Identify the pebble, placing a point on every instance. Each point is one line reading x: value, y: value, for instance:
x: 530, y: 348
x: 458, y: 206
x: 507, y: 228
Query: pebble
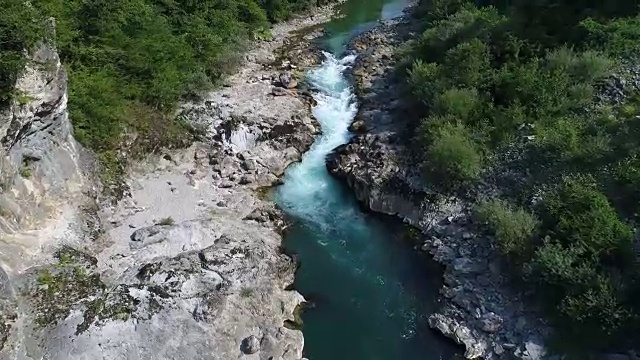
x: 225, y: 185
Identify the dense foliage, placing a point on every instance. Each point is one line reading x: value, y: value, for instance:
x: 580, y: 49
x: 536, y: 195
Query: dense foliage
x: 130, y: 61
x: 511, y: 94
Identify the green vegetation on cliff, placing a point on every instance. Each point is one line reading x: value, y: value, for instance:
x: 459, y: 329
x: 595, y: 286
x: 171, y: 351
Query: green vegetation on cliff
x: 130, y: 61
x: 518, y: 95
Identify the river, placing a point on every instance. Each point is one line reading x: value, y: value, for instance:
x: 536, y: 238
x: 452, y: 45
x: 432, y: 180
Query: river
x: 372, y: 292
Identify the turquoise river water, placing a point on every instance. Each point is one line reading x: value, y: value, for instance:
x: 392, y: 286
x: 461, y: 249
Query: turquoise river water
x: 371, y: 291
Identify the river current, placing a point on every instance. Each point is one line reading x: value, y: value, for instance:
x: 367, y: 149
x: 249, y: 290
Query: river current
x: 371, y: 291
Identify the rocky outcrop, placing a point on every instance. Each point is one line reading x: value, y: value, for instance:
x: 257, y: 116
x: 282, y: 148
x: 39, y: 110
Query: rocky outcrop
x: 479, y: 310
x: 39, y: 159
x: 42, y: 182
x: 188, y: 265
x: 193, y: 290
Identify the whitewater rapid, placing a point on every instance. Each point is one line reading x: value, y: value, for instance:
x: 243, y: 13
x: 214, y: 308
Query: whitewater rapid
x: 306, y: 182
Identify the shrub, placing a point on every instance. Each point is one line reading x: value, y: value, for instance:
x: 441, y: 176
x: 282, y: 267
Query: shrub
x: 561, y: 137
x: 467, y: 64
x: 618, y: 37
x: 597, y: 311
x: 459, y: 103
x: 579, y: 295
x: 246, y: 292
x: 625, y: 187
x: 452, y: 155
x: 166, y: 221
x: 423, y: 80
x: 580, y: 95
x: 590, y: 66
x: 578, y: 215
x: 462, y: 26
x: 513, y: 228
x: 560, y: 59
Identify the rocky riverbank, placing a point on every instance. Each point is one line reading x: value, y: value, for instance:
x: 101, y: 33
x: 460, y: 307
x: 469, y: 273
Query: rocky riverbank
x: 479, y: 310
x: 189, y: 265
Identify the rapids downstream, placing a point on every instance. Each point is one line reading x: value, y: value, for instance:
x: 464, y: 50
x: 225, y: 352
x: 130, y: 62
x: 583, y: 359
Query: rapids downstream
x: 372, y: 292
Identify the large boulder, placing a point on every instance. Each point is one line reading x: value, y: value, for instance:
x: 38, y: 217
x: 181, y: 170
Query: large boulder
x: 287, y: 80
x: 475, y: 347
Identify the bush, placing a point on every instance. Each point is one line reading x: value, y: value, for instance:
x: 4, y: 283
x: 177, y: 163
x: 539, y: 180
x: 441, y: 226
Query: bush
x: 590, y: 66
x: 460, y: 103
x: 513, y: 228
x: 452, y: 155
x: 578, y: 215
x: 579, y: 295
x: 562, y: 138
x: 625, y: 184
x: 463, y: 26
x: 467, y: 65
x: 560, y: 60
x: 618, y: 37
x: 168, y: 221
x: 423, y: 79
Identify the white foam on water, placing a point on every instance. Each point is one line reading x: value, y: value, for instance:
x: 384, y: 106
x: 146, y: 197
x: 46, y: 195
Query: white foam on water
x: 305, y: 182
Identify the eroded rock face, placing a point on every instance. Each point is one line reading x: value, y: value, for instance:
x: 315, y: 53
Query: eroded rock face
x: 479, y: 310
x: 40, y: 162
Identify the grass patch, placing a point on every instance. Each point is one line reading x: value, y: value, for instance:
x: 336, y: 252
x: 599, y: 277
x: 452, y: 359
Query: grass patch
x: 26, y: 172
x: 166, y: 221
x: 246, y: 292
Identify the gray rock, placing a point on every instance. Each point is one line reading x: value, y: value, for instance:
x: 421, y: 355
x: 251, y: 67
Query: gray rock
x: 250, y: 345
x: 491, y: 322
x: 278, y: 91
x: 40, y: 162
x: 147, y: 232
x: 249, y: 164
x: 358, y: 127
x: 226, y: 184
x: 287, y: 80
x: 246, y: 179
x: 461, y: 334
x: 533, y: 350
x: 465, y: 265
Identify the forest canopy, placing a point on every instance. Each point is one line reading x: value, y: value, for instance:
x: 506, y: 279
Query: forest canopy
x: 517, y: 94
